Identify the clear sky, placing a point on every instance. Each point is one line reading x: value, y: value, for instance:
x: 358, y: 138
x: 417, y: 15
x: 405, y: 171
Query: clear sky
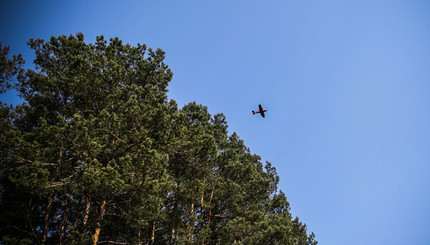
x: 346, y: 85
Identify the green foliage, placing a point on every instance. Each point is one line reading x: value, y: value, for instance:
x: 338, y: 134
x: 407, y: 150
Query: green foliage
x: 9, y: 68
x: 98, y: 154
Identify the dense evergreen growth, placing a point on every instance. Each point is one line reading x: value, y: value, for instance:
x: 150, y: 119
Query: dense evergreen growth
x: 99, y: 155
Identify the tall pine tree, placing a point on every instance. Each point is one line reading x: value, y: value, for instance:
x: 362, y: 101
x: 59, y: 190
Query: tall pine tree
x: 97, y: 154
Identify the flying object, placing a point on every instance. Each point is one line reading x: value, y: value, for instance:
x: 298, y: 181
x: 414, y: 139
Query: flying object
x: 260, y: 110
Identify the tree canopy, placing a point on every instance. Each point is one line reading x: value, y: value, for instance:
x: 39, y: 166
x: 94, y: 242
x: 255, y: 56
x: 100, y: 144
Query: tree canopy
x: 98, y: 154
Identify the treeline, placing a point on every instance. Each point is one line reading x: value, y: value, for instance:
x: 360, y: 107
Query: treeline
x: 97, y: 154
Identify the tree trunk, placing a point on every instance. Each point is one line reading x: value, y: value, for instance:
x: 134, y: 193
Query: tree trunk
x: 175, y: 208
x: 87, y: 211
x: 63, y: 224
x: 153, y: 232
x: 172, y: 237
x: 96, y: 234
x: 202, y: 198
x: 210, y: 210
x: 46, y: 218
x: 139, y: 242
x: 202, y: 208
x: 190, y: 229
x: 28, y: 216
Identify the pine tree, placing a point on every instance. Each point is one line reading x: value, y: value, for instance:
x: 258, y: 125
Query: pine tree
x: 97, y: 154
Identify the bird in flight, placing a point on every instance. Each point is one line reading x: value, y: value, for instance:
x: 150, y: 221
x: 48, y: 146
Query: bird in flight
x: 260, y: 110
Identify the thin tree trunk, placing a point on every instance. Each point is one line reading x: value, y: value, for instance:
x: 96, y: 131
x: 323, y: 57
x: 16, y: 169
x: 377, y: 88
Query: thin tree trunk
x: 96, y: 234
x: 46, y: 218
x: 28, y: 222
x: 175, y: 209
x: 139, y: 242
x: 202, y: 208
x: 76, y: 222
x: 63, y: 224
x: 87, y: 211
x: 153, y: 232
x: 172, y: 237
x: 191, y: 225
x: 210, y: 210
x: 202, y: 198
x: 190, y: 229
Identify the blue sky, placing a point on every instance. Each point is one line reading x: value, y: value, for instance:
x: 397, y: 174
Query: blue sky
x: 346, y: 83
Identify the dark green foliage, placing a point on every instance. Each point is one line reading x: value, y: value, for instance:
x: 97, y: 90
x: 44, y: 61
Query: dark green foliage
x: 9, y: 68
x: 98, y: 154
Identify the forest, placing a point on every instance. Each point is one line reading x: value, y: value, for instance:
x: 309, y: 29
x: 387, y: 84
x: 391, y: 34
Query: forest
x: 98, y: 154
